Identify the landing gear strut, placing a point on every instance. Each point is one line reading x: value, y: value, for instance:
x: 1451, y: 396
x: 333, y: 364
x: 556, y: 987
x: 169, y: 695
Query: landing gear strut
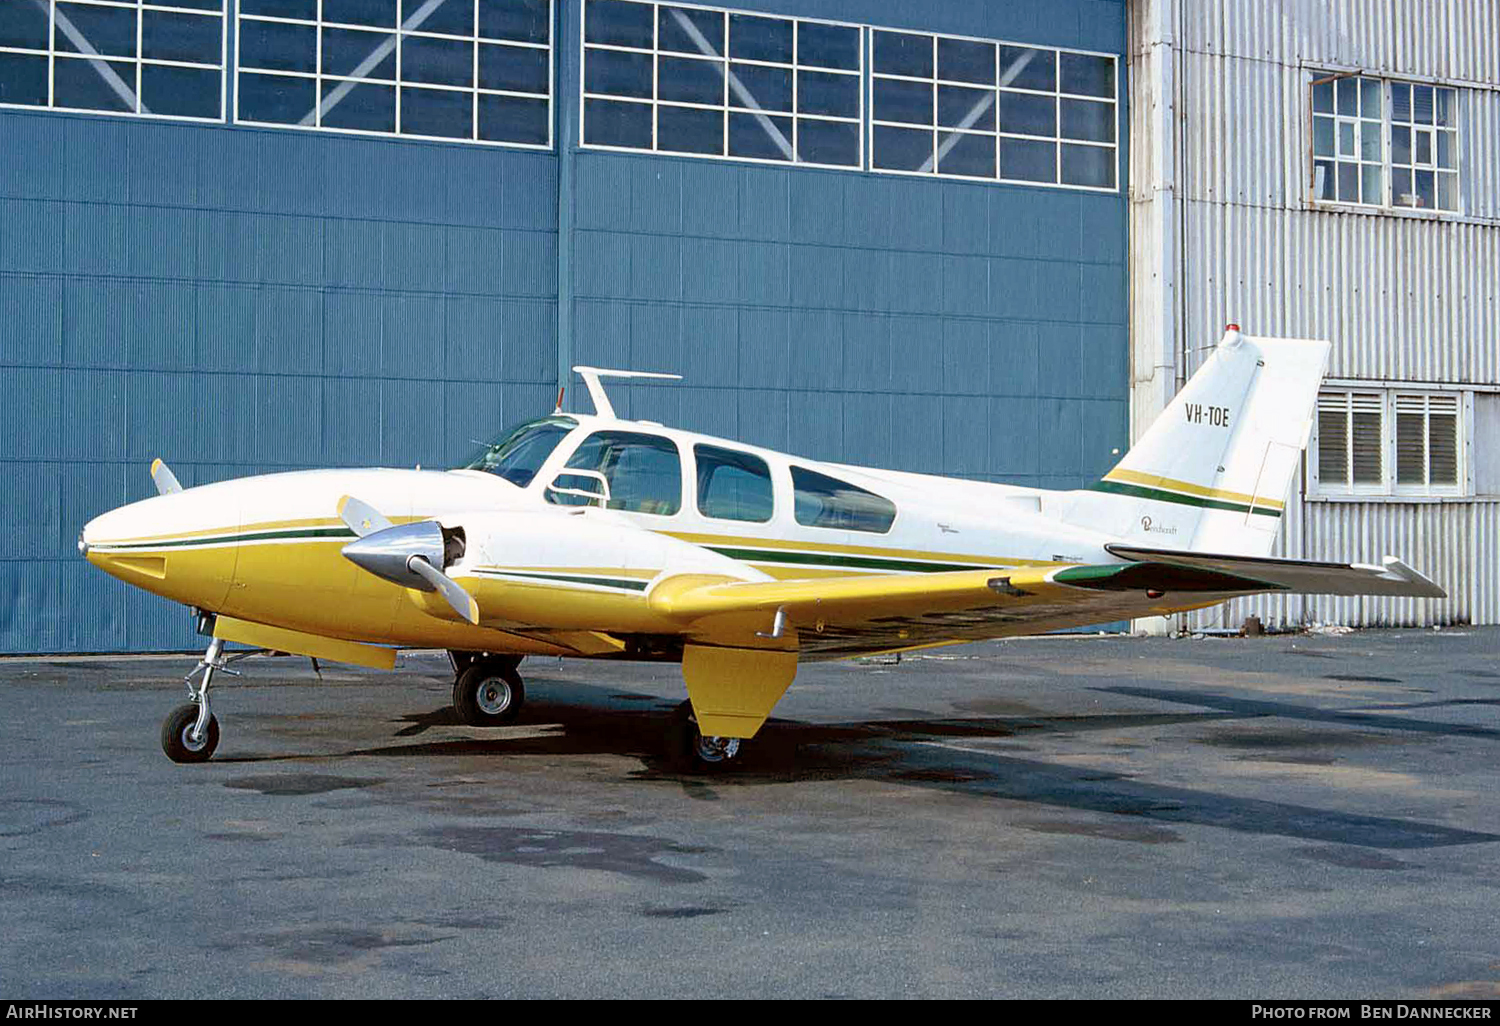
x: 488, y: 691
x: 688, y: 749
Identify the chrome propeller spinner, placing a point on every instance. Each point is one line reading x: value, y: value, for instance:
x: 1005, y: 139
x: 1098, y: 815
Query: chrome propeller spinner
x: 411, y: 555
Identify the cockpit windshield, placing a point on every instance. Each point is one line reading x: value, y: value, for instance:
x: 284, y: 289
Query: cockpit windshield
x: 518, y: 456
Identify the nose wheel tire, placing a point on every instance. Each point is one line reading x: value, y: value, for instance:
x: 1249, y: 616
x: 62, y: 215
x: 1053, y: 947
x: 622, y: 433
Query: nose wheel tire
x: 177, y: 736
x: 488, y: 694
x: 689, y: 750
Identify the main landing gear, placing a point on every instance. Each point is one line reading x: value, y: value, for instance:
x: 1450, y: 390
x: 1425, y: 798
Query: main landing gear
x: 487, y: 690
x: 689, y: 750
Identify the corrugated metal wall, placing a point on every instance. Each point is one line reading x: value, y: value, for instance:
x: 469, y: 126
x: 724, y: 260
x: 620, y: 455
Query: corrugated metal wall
x: 1402, y: 298
x: 239, y: 300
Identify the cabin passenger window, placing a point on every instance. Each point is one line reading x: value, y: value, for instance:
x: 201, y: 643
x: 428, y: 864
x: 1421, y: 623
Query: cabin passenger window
x: 644, y: 471
x: 733, y: 485
x: 823, y: 501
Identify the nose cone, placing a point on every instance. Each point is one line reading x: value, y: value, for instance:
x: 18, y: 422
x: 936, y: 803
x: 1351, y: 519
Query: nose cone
x: 178, y: 546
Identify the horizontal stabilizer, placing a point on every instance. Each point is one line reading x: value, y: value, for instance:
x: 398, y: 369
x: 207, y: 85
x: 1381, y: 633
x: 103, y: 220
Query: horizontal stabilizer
x: 1394, y: 578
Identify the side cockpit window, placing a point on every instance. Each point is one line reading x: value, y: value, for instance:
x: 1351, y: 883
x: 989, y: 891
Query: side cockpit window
x: 733, y: 485
x: 644, y: 472
x: 823, y: 501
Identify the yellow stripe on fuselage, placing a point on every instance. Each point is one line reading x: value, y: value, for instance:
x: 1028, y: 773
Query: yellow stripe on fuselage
x: 1188, y: 488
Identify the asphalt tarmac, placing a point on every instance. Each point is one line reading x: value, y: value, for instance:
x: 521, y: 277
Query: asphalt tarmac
x: 1288, y: 816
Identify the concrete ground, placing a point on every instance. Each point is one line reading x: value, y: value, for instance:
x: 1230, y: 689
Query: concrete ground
x: 1288, y: 816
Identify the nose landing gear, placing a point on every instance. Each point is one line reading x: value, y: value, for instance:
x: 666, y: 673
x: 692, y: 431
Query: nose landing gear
x: 190, y: 733
x: 487, y: 691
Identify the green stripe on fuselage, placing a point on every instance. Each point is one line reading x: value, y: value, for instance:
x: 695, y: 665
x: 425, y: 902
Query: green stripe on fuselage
x: 854, y: 562
x: 295, y: 534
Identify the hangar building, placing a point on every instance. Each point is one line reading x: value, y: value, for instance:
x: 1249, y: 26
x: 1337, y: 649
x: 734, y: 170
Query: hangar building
x: 976, y: 237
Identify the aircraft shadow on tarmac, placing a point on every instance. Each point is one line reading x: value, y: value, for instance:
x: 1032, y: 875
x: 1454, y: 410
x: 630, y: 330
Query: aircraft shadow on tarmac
x: 930, y: 753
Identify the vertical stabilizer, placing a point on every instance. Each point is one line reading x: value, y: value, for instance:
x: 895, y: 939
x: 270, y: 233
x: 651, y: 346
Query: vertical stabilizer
x: 1215, y: 470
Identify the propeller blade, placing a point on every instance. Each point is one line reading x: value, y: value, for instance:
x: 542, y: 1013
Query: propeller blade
x: 462, y: 602
x: 166, y: 481
x: 361, y: 517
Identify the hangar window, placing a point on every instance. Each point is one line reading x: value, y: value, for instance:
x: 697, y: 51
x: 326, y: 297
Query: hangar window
x: 823, y: 501
x: 1382, y: 143
x: 733, y: 485
x: 720, y: 83
x: 974, y: 108
x: 119, y: 57
x: 469, y: 70
x: 1387, y: 443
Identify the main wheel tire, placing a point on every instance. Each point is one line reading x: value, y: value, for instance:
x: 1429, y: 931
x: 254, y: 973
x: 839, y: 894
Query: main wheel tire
x: 690, y: 752
x: 177, y: 740
x: 489, y: 694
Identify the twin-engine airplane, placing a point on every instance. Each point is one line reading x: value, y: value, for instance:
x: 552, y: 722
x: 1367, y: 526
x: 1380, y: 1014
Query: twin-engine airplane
x: 596, y: 537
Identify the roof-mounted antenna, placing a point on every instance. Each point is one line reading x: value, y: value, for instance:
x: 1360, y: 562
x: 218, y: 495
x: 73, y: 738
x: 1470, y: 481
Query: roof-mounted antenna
x: 591, y: 376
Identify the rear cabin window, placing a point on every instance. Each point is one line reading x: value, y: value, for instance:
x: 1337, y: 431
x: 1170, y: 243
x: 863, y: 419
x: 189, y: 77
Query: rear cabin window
x: 733, y: 485
x: 644, y: 471
x: 823, y: 501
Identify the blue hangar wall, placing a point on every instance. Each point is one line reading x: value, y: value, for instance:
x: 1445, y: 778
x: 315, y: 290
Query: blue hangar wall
x: 241, y: 300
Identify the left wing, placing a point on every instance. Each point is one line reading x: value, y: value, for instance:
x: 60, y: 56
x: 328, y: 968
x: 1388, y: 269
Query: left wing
x: 840, y: 617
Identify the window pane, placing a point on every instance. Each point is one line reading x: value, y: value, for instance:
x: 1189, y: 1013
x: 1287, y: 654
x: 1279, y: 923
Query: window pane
x: 181, y: 92
x: 828, y: 142
x: 346, y: 51
x: 749, y: 136
x: 278, y: 99
x: 689, y: 81
x: 900, y: 53
x: 1400, y: 102
x: 437, y: 61
x: 525, y: 21
x: 902, y: 149
x: 24, y: 24
x: 960, y: 107
x: 1370, y: 187
x: 278, y: 47
x: 93, y: 84
x: 609, y: 123
x: 819, y: 92
x: 907, y: 102
x: 1085, y: 119
x: 1369, y: 140
x: 1086, y: 75
x: 1400, y: 145
x: 304, y: 9
x: 451, y: 17
x: 1422, y: 150
x: 1401, y: 192
x: 1346, y: 139
x: 110, y: 30
x: 517, y: 69
x: 1447, y: 191
x: 1025, y: 114
x: 1324, y: 130
x: 445, y: 113
x: 770, y: 88
x: 1348, y: 94
x: 1369, y: 98
x: 964, y: 60
x: 1025, y: 68
x: 514, y: 119
x: 1092, y: 166
x: 733, y: 485
x: 644, y: 471
x: 363, y: 108
x: 376, y: 13
x: 1324, y: 179
x: 618, y: 74
x: 180, y: 37
x: 1028, y: 161
x: 617, y: 23
x: 1445, y: 155
x: 972, y: 156
x: 23, y: 79
x: 1348, y: 183
x: 1322, y: 93
x: 753, y: 38
x: 1421, y: 105
x: 689, y: 130
x: 1426, y: 190
x: 1446, y: 104
x: 828, y: 46
x: 688, y: 30
x: 822, y: 501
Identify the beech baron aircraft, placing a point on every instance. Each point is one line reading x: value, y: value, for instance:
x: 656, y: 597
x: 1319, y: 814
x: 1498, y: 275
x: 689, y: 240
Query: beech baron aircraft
x: 597, y: 537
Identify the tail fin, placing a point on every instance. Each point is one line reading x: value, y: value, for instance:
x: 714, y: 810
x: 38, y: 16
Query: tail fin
x: 1214, y: 472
